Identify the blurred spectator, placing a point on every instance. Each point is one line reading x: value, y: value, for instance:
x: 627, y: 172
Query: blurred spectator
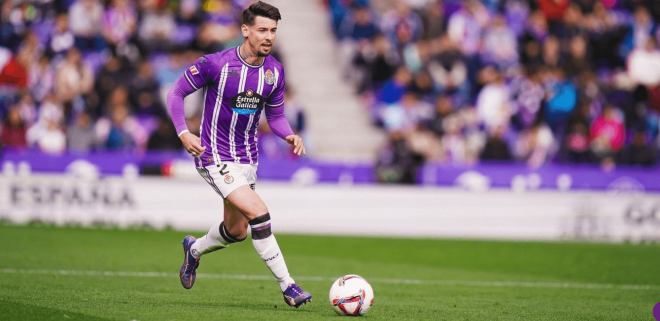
x: 144, y: 92
x: 120, y: 22
x: 435, y: 23
x: 164, y: 137
x: 157, y: 28
x: 607, y: 133
x: 12, y: 72
x: 27, y: 109
x: 494, y: 101
x: 561, y: 98
x: 577, y: 60
x: 81, y: 136
x: 394, y: 89
x: 377, y: 63
x: 355, y: 31
x: 496, y: 148
x: 644, y: 64
x: 41, y: 79
x: 535, y: 145
x: 639, y: 152
x: 62, y: 39
x: 577, y: 145
x: 12, y: 25
x: 443, y: 108
x: 73, y: 77
x: 402, y: 25
x: 447, y: 67
x: 359, y: 24
x: 528, y: 95
x: 113, y: 73
x: 500, y: 45
x: 553, y: 10
x: 86, y: 23
x: 120, y: 131
x: 397, y: 163
x: 551, y: 55
x: 46, y: 134
x: 641, y: 30
x: 13, y: 130
x: 465, y: 26
x: 220, y: 27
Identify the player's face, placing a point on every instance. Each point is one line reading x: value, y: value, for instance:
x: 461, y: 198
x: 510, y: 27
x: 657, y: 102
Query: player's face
x: 261, y: 35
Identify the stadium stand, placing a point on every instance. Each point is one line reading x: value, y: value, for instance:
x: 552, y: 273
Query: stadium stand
x: 459, y: 82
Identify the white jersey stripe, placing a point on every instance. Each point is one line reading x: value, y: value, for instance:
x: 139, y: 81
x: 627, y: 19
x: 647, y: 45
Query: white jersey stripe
x: 260, y: 88
x: 190, y: 81
x: 234, y: 117
x: 216, y: 113
x: 201, y: 124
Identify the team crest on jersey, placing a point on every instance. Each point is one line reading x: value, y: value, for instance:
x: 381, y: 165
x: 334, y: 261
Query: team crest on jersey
x: 229, y: 179
x: 247, y: 102
x: 270, y: 78
x: 193, y: 70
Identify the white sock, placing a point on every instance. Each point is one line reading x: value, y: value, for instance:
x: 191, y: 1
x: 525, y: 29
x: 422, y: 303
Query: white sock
x: 269, y: 251
x: 217, y: 238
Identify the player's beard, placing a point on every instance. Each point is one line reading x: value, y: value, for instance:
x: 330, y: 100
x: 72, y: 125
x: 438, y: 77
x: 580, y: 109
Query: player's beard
x: 263, y: 54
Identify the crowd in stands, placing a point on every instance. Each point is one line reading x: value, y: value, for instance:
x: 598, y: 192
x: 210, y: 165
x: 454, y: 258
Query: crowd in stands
x: 90, y: 75
x: 535, y: 81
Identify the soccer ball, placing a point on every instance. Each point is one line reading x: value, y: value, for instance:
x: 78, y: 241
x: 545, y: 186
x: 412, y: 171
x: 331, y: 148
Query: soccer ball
x: 351, y: 295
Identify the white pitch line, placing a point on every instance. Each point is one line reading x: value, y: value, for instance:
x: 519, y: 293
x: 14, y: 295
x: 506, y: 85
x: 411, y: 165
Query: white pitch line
x: 567, y: 285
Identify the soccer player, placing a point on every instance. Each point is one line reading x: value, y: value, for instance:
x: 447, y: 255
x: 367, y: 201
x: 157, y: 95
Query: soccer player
x: 237, y: 83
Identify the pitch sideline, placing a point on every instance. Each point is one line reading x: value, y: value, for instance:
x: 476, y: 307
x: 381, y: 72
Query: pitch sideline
x: 330, y: 279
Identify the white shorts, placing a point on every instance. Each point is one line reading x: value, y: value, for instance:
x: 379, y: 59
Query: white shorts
x: 226, y: 177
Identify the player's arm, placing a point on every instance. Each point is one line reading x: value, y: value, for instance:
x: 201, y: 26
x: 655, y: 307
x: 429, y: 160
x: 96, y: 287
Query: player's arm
x: 275, y: 116
x: 191, y: 80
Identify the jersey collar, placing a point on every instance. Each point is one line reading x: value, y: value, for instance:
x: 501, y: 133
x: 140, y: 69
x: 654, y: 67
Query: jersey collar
x: 238, y: 53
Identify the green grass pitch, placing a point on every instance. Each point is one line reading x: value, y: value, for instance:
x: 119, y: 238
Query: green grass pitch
x: 49, y: 273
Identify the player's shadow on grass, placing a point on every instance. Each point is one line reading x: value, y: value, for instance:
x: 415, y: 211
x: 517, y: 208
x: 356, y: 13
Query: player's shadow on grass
x: 261, y: 307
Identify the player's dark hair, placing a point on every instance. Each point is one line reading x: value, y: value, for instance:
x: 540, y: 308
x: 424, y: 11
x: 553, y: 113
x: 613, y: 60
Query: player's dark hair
x: 260, y: 9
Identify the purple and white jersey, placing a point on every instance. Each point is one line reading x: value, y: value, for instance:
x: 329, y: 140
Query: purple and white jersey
x: 235, y: 92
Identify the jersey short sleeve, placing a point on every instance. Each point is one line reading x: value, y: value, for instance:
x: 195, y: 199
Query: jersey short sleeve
x: 276, y: 98
x: 199, y: 73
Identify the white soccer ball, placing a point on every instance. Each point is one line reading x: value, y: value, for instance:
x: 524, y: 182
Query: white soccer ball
x: 351, y: 295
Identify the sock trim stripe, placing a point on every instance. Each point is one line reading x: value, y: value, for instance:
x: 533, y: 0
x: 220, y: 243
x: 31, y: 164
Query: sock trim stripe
x: 260, y: 224
x: 261, y: 219
x: 226, y: 235
x: 262, y: 227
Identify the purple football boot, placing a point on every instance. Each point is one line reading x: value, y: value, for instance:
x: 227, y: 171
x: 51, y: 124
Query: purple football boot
x: 188, y: 270
x: 295, y: 296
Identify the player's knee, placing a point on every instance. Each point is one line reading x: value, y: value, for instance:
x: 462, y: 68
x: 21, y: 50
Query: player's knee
x: 257, y: 210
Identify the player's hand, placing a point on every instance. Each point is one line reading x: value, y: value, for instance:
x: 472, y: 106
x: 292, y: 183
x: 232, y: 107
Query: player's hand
x: 192, y: 144
x: 298, y: 145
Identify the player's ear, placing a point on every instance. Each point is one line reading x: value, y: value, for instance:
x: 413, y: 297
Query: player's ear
x: 244, y: 30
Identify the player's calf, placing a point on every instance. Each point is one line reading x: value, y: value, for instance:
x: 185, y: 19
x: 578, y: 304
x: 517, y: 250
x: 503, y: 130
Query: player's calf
x: 217, y: 238
x: 266, y: 245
